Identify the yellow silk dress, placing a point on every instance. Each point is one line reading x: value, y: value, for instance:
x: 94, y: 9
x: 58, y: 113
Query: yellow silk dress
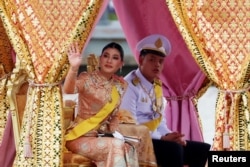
x: 94, y: 92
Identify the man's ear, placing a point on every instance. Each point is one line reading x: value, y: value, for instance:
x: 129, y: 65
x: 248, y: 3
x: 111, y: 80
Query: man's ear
x: 141, y: 59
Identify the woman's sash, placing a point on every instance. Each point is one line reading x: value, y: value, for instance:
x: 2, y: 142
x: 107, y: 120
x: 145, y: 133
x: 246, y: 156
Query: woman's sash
x: 94, y: 121
x: 153, y: 124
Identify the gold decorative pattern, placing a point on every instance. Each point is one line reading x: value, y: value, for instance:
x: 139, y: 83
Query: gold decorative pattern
x: 40, y: 32
x: 92, y: 63
x: 3, y: 102
x: 6, y: 66
x: 217, y: 34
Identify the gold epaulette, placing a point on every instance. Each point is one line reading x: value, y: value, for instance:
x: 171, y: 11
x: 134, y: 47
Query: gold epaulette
x: 136, y: 81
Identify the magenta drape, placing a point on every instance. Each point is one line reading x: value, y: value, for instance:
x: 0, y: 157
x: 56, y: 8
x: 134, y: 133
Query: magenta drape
x: 181, y: 75
x: 7, y: 148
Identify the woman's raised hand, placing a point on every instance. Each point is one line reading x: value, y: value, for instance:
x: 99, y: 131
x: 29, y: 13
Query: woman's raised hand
x: 74, y: 56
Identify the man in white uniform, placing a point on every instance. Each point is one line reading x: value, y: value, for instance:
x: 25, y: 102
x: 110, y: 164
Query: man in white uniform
x: 144, y: 100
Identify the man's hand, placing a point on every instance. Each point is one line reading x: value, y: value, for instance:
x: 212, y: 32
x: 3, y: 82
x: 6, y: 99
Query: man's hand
x: 174, y: 137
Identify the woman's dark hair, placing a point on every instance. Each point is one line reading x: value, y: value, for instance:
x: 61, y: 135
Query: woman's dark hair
x: 115, y: 46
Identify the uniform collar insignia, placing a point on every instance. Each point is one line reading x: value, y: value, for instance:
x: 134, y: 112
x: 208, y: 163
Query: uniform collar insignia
x: 136, y: 81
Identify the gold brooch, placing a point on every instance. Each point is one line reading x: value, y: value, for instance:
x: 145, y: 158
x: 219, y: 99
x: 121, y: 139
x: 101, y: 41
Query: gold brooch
x: 136, y: 81
x: 158, y: 82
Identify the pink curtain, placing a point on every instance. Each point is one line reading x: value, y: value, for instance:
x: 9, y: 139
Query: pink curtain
x: 7, y: 145
x: 181, y: 77
x: 7, y: 148
x: 217, y: 34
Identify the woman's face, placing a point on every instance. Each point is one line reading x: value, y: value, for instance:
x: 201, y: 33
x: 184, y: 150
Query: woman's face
x: 110, y: 61
x: 151, y: 66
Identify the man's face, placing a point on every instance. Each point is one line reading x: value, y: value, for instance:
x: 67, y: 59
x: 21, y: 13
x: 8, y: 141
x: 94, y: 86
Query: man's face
x: 151, y: 66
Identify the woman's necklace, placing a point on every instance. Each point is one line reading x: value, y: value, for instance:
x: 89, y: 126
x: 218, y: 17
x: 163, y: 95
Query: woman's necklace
x: 101, y: 82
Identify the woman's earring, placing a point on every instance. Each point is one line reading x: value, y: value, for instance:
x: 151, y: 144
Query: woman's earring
x: 120, y: 70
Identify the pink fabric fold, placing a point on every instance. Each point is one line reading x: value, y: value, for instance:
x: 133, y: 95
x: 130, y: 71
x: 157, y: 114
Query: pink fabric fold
x: 7, y: 147
x: 101, y: 11
x: 181, y: 74
x: 182, y: 114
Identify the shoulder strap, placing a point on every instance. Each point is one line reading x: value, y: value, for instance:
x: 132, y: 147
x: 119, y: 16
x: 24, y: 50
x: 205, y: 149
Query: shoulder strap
x: 93, y: 122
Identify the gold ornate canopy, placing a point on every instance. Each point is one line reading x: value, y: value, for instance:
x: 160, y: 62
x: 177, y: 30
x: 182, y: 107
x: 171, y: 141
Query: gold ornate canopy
x: 218, y: 35
x: 40, y: 32
x: 6, y: 66
x: 216, y: 32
